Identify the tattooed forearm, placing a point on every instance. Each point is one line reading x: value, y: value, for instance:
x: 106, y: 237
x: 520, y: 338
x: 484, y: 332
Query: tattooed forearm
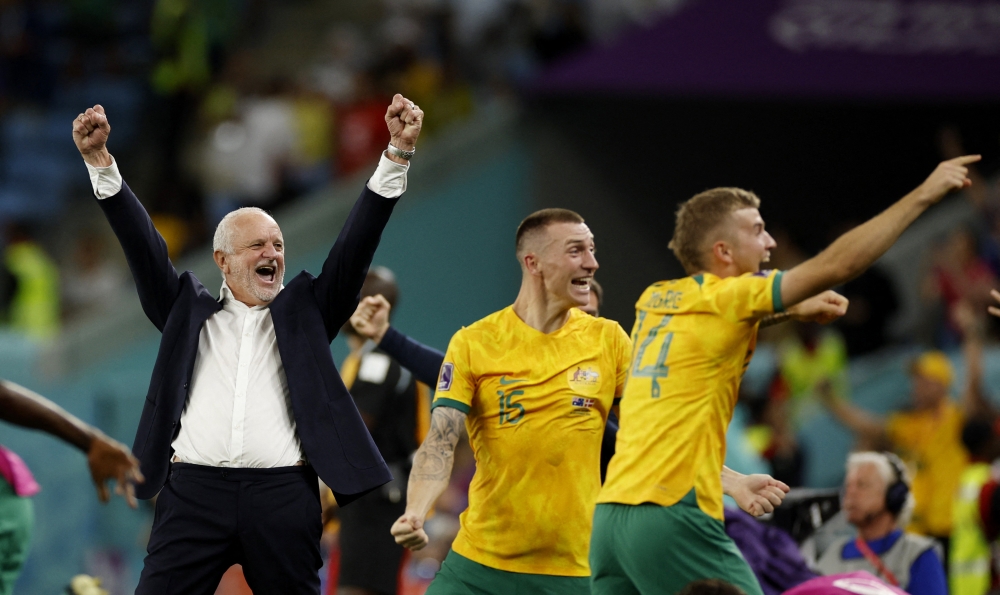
x: 434, y: 459
x: 774, y: 319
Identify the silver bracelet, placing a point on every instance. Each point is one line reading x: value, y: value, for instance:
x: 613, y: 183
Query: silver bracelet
x: 400, y: 152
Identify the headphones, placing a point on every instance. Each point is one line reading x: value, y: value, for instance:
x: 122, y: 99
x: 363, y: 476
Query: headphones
x: 898, y: 492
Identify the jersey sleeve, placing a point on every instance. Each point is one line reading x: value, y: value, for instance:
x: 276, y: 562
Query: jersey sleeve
x: 748, y: 297
x: 623, y: 359
x: 456, y: 384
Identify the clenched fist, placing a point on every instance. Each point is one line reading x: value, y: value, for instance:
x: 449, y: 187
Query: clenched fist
x: 404, y: 120
x: 823, y: 308
x: 371, y: 319
x: 90, y: 133
x: 408, y: 531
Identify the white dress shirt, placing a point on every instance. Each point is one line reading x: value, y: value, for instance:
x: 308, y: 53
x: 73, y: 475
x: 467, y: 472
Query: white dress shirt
x: 238, y: 412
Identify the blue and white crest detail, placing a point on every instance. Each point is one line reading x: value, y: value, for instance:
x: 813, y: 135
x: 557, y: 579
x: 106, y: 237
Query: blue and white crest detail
x: 447, y: 373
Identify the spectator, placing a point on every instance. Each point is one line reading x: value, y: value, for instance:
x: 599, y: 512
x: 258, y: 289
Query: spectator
x: 877, y: 501
x: 32, y: 286
x: 810, y: 357
x: 959, y: 275
x: 928, y: 437
x: 92, y: 282
x: 976, y: 510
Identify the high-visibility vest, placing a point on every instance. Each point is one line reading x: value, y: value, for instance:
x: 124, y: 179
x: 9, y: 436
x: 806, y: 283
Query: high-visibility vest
x: 969, y: 558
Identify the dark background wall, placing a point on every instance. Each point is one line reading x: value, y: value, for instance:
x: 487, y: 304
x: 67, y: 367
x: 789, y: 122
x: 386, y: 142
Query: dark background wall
x: 625, y: 163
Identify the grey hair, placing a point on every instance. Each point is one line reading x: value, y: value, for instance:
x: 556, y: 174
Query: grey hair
x: 886, y: 471
x: 225, y: 231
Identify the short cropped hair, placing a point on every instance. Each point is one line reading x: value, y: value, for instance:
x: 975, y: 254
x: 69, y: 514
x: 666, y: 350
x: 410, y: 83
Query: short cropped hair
x: 888, y: 473
x: 225, y: 231
x: 699, y: 216
x: 598, y: 291
x: 381, y: 280
x: 538, y: 221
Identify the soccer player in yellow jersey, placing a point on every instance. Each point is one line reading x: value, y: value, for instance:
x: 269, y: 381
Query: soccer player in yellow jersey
x: 533, y: 384
x: 658, y: 522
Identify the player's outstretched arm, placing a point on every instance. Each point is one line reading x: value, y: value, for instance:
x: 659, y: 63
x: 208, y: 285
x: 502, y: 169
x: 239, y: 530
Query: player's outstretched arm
x: 757, y: 494
x: 108, y: 459
x: 857, y: 249
x: 429, y: 476
x: 823, y: 308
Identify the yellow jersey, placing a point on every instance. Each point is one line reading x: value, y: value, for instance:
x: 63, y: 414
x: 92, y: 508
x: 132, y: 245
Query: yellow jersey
x: 693, y: 339
x: 536, y: 406
x: 931, y: 444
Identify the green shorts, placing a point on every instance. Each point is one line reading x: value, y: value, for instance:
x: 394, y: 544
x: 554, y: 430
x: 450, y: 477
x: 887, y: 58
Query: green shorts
x: 636, y: 550
x: 17, y: 517
x: 461, y: 576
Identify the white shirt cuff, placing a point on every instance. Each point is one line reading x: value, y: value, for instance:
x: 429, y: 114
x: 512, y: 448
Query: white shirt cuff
x: 389, y: 179
x: 107, y: 181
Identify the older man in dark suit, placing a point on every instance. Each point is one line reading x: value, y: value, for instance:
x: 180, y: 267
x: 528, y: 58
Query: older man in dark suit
x: 245, y: 406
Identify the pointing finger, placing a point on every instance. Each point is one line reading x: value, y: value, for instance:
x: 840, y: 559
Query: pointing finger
x: 966, y: 159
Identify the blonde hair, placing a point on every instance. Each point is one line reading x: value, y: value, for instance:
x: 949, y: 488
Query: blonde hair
x: 702, y: 215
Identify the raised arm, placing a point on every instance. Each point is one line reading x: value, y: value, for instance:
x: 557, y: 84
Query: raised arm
x: 429, y: 477
x: 974, y: 401
x: 338, y: 287
x: 156, y: 279
x: 371, y: 320
x: 865, y: 424
x: 859, y: 248
x: 107, y: 458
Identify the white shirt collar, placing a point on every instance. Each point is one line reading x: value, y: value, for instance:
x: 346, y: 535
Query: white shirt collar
x: 230, y: 303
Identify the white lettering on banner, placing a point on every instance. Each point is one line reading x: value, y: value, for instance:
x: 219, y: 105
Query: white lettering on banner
x: 888, y: 26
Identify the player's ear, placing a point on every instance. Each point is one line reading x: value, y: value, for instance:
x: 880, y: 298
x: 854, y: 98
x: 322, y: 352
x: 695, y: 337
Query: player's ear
x: 530, y: 262
x: 722, y: 252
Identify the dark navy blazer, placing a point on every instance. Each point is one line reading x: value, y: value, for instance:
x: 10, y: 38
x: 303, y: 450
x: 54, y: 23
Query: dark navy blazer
x: 307, y: 315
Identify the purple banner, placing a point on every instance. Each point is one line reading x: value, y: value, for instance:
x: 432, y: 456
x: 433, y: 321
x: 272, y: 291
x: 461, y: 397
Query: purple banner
x: 877, y: 49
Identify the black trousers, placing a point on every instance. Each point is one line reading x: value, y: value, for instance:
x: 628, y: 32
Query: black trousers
x: 209, y: 518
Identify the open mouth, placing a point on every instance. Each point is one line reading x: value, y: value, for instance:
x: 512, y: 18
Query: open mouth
x: 266, y: 273
x: 582, y: 283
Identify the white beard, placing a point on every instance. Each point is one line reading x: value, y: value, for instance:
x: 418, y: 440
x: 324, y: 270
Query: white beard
x: 246, y: 279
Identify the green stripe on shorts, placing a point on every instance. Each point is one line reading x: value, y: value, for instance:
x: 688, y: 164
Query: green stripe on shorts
x: 461, y: 576
x: 650, y: 548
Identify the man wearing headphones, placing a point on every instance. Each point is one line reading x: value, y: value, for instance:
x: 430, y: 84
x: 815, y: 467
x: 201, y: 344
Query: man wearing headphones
x: 878, y: 502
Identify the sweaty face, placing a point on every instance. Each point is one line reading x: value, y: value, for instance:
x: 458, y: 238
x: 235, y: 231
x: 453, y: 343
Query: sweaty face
x: 256, y: 268
x: 751, y: 245
x: 864, y: 494
x: 567, y: 263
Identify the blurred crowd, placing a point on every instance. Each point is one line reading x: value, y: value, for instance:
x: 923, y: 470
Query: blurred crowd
x: 220, y: 103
